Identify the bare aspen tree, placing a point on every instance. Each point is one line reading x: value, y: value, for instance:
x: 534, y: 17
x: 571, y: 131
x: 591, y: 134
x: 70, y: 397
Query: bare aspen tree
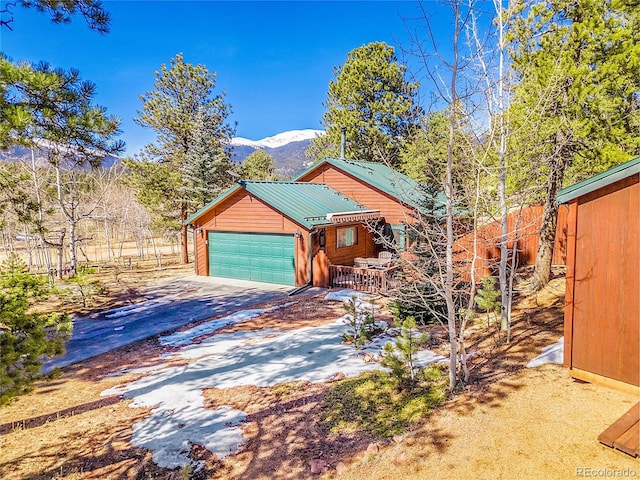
x: 495, y: 79
x: 435, y: 278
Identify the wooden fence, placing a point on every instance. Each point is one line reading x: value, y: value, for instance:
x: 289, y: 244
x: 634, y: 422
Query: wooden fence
x: 523, y: 226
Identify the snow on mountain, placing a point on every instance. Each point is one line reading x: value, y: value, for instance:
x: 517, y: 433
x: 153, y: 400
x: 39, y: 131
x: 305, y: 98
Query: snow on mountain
x: 278, y: 140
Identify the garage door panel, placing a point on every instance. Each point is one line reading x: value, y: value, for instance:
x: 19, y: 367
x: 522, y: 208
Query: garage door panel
x: 252, y: 256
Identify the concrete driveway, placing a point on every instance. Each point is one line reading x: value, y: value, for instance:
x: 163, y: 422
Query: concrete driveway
x: 169, y: 306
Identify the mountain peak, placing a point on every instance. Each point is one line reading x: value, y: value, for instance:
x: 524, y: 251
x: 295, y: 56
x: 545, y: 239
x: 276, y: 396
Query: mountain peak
x: 280, y: 139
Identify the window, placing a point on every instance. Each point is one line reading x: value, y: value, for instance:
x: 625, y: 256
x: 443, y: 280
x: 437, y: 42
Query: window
x: 399, y: 237
x: 347, y: 237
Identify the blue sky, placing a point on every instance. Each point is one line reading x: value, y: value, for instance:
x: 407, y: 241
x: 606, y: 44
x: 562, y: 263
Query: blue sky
x: 274, y: 60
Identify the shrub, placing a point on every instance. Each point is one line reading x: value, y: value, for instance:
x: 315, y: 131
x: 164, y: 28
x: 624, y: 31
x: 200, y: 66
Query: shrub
x: 400, y: 357
x: 25, y: 336
x: 361, y: 322
x: 409, y: 302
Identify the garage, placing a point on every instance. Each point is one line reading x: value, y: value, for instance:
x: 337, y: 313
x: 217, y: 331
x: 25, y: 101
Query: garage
x: 260, y: 257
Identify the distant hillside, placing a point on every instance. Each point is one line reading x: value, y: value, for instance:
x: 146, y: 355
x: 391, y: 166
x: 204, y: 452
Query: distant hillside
x: 287, y: 150
x: 17, y: 153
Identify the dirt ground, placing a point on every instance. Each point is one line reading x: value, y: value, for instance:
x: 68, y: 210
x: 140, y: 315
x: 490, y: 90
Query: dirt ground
x: 510, y: 422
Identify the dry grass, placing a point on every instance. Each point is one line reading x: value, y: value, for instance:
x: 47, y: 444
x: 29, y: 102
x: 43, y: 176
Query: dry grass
x: 511, y: 422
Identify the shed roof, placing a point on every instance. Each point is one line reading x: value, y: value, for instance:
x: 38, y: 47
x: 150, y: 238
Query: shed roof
x: 596, y: 182
x: 380, y: 176
x: 307, y: 204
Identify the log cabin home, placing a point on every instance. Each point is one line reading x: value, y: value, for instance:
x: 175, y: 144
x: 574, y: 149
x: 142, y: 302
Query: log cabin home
x: 314, y: 230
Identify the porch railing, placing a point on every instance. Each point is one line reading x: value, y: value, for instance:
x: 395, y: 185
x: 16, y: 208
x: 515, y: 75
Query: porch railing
x: 373, y: 280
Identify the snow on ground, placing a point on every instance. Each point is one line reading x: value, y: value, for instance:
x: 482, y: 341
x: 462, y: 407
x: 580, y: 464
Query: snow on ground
x: 553, y: 353
x: 124, y: 371
x: 345, y: 295
x: 261, y: 357
x: 135, y: 308
x: 169, y: 433
x: 185, y: 337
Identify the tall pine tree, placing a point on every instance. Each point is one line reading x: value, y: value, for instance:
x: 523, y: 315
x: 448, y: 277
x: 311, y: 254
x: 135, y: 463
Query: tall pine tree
x: 183, y: 93
x: 576, y: 105
x: 373, y: 102
x: 205, y: 173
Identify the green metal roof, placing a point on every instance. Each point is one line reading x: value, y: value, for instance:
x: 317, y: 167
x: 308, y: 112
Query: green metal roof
x: 380, y: 176
x: 624, y: 170
x: 307, y: 204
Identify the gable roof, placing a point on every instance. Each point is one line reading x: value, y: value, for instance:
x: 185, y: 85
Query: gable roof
x: 308, y: 204
x: 624, y: 170
x: 378, y: 175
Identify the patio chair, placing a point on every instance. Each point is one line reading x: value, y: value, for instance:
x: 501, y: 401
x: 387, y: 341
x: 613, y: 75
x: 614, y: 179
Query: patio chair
x: 385, y: 258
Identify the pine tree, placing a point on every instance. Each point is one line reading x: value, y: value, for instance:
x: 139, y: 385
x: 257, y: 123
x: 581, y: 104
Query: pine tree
x: 373, y: 102
x: 62, y: 11
x: 205, y: 173
x: 183, y: 93
x: 576, y: 106
x: 25, y: 336
x: 400, y: 357
x: 259, y: 165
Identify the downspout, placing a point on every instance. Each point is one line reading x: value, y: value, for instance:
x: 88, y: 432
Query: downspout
x: 310, y: 267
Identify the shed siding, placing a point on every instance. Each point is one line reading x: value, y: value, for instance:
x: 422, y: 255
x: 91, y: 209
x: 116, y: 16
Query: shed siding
x: 393, y: 211
x: 603, y: 306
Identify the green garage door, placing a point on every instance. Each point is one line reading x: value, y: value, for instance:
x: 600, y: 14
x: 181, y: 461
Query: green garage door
x: 260, y: 257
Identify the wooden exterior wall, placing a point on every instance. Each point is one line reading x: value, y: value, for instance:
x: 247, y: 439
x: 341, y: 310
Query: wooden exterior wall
x: 332, y: 255
x: 602, y: 304
x: 522, y: 225
x: 242, y: 212
x: 391, y: 209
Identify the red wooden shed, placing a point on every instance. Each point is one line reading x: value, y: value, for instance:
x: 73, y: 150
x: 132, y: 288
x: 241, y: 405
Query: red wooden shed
x: 602, y: 305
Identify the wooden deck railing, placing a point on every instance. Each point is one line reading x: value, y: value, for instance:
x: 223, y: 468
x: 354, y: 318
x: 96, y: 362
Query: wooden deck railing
x: 374, y: 280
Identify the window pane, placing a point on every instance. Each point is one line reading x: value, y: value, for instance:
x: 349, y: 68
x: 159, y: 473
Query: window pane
x: 347, y: 236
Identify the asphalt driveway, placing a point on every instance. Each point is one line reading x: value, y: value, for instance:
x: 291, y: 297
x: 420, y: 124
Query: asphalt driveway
x: 169, y: 306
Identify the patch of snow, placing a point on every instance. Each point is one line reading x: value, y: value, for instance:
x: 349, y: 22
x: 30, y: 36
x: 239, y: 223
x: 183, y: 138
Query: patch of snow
x: 223, y: 343
x: 553, y: 353
x: 186, y: 337
x: 258, y: 357
x: 426, y: 357
x: 346, y: 295
x: 170, y: 434
x: 135, y: 308
x: 124, y: 371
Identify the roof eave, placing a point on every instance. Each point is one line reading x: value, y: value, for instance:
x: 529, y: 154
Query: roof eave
x: 608, y: 177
